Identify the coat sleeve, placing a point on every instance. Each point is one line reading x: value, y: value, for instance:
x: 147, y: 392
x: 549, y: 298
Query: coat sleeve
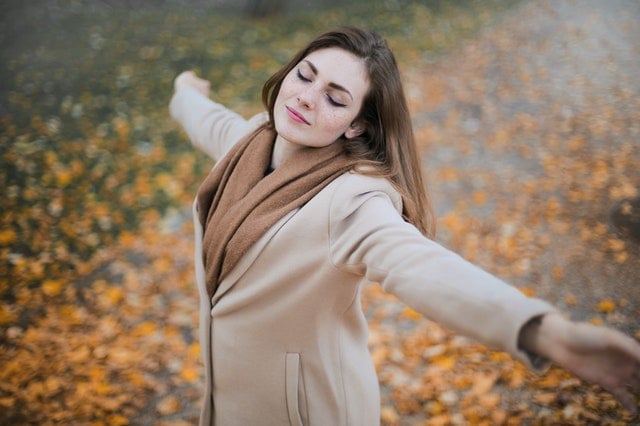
x: 368, y: 237
x: 210, y: 126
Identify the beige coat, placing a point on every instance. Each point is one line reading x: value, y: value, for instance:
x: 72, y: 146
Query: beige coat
x: 284, y: 340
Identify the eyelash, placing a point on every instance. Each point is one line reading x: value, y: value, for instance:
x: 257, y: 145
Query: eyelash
x: 302, y: 77
x: 329, y: 98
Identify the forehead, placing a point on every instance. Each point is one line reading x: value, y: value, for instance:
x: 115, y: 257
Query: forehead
x: 336, y: 65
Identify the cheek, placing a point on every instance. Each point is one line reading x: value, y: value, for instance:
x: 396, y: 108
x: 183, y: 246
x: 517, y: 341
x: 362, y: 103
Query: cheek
x: 337, y: 121
x: 287, y: 88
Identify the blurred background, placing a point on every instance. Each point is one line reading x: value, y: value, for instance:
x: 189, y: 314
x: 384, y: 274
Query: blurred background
x: 528, y: 119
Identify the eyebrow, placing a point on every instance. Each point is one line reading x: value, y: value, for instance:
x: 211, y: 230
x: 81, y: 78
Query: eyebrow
x: 331, y: 84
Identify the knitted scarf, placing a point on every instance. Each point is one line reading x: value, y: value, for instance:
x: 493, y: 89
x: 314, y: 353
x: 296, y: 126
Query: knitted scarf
x: 238, y: 203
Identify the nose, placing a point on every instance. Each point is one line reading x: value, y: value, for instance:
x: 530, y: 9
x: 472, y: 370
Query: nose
x: 307, y: 97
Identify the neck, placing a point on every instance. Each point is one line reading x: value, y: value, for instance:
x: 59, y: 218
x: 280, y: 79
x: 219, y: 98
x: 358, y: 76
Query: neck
x: 282, y: 149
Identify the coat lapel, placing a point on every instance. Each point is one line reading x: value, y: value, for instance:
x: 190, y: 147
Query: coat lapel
x: 248, y: 258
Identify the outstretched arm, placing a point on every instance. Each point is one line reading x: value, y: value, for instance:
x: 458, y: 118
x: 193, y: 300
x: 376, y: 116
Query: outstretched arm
x: 189, y: 79
x: 598, y: 355
x: 210, y: 126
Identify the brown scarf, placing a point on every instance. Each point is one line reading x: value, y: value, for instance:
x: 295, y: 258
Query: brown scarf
x: 237, y: 203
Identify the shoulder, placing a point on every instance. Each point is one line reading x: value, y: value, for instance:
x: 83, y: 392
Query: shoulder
x: 352, y: 190
x: 258, y: 120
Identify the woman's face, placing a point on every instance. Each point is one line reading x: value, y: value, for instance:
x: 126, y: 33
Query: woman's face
x: 320, y: 98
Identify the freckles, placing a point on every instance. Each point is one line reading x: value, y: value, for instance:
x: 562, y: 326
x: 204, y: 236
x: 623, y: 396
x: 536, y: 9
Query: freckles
x: 342, y: 120
x: 335, y: 121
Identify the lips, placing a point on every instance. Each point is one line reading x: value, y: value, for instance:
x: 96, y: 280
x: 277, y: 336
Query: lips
x: 296, y: 116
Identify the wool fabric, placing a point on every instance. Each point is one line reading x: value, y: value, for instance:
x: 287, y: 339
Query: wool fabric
x: 241, y: 198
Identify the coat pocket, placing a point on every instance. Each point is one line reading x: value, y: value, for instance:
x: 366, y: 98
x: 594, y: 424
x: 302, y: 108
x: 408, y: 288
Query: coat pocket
x: 294, y: 388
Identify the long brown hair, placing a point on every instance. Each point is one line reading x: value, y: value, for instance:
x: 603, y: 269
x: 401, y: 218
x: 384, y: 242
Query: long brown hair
x: 388, y: 143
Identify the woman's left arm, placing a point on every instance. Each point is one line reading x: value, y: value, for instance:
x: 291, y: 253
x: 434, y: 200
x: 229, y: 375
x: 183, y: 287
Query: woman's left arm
x: 211, y: 127
x: 370, y: 238
x: 598, y: 355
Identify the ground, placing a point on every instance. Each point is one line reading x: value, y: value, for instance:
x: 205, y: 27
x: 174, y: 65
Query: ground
x: 529, y: 132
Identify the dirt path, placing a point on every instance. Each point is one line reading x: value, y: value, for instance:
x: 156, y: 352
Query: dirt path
x: 531, y: 136
x: 540, y: 114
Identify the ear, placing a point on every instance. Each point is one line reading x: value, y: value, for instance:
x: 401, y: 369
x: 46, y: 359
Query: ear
x: 356, y: 129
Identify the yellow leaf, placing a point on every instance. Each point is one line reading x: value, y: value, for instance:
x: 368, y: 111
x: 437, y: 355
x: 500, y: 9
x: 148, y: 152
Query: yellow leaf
x: 483, y: 383
x: 545, y: 398
x: 135, y: 378
x: 570, y: 299
x: 490, y: 400
x: 127, y: 238
x: 123, y: 356
x: 189, y: 374
x: 557, y: 273
x: 52, y: 287
x: 621, y: 257
x: 389, y: 415
x: 121, y: 127
x: 63, y: 178
x: 479, y: 197
x: 50, y: 158
x: 53, y: 385
x: 97, y: 374
x: 144, y: 329
x: 7, y: 316
x: 435, y: 408
x: 550, y: 380
x: 411, y: 314
x: 168, y: 405
x: 445, y: 362
x: 102, y: 388
x: 576, y: 143
x: 7, y: 402
x: 72, y: 314
x: 117, y: 420
x: 79, y: 355
x: 162, y: 265
x: 528, y: 291
x: 596, y: 321
x: 615, y: 245
x: 114, y: 295
x: 448, y: 174
x: 7, y: 237
x: 194, y: 350
x: 606, y: 306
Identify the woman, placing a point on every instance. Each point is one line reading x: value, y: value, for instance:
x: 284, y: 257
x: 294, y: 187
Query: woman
x: 309, y: 202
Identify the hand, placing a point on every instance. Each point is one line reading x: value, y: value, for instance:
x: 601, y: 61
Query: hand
x: 189, y: 79
x: 599, y: 355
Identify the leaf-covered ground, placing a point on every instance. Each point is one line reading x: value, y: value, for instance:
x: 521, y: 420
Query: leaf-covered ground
x: 528, y: 115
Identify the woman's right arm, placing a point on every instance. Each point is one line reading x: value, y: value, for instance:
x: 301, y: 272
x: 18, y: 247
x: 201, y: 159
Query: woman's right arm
x: 210, y: 126
x: 599, y: 355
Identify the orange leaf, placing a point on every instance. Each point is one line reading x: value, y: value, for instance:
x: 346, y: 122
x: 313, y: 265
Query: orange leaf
x: 546, y: 398
x: 483, y: 383
x: 7, y: 237
x: 168, y: 405
x: 189, y: 374
x: 606, y: 306
x: 52, y: 287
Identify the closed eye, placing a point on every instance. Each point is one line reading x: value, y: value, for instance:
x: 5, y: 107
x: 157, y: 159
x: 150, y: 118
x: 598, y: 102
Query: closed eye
x: 302, y: 77
x: 334, y: 102
x: 329, y: 98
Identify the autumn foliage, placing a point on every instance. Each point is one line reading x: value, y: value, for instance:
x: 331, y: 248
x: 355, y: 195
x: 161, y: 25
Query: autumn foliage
x: 98, y: 310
